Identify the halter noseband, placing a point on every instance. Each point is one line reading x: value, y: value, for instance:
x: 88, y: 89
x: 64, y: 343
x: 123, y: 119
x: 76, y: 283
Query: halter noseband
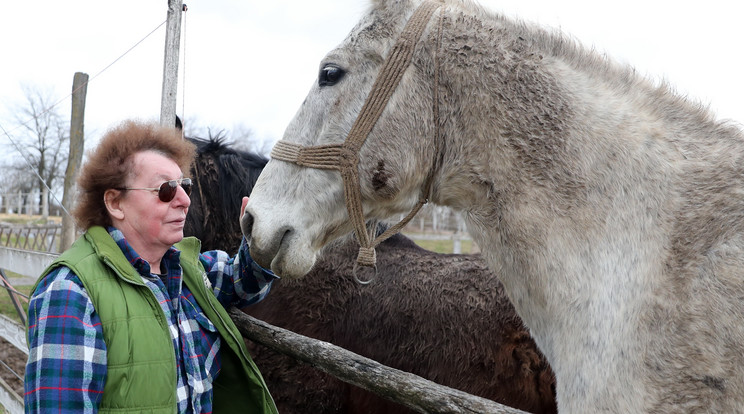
x: 345, y: 157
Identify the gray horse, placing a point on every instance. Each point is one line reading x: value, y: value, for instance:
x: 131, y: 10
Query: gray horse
x: 611, y: 208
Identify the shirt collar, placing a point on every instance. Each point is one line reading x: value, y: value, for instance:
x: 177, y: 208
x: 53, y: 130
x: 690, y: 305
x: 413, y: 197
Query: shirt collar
x: 171, y: 258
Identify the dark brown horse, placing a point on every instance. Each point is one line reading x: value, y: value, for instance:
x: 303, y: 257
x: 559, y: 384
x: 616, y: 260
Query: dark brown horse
x: 444, y: 317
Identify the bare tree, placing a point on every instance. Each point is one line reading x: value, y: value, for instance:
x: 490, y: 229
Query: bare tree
x: 245, y: 139
x: 42, y: 139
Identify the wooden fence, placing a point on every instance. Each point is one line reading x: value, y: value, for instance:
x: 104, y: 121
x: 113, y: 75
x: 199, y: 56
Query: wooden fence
x: 27, y: 263
x: 412, y: 391
x: 44, y: 238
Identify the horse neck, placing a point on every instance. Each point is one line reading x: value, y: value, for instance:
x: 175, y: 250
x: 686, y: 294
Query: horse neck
x: 536, y: 116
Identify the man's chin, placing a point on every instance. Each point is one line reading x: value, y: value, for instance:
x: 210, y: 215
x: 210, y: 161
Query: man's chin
x: 175, y: 237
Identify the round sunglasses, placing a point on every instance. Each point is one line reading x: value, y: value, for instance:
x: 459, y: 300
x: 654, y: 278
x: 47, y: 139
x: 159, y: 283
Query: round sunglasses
x: 167, y: 190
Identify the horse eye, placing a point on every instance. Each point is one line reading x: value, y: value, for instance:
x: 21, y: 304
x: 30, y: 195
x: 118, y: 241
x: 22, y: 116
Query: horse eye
x: 330, y: 75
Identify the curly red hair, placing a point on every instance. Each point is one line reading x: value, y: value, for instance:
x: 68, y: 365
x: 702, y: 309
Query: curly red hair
x: 110, y: 164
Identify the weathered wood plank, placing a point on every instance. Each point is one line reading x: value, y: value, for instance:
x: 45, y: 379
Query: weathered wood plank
x: 25, y: 262
x: 10, y: 401
x: 14, y: 333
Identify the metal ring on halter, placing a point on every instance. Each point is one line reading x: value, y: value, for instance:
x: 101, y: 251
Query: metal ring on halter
x: 363, y: 282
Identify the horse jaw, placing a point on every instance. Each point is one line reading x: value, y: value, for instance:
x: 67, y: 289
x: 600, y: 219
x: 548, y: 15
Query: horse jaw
x: 286, y: 234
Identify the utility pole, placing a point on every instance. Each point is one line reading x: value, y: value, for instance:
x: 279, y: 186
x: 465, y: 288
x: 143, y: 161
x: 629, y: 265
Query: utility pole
x: 77, y: 139
x: 170, y: 66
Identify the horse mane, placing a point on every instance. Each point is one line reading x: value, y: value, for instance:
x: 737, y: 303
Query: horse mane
x: 237, y: 168
x: 624, y: 77
x: 555, y: 43
x: 222, y: 176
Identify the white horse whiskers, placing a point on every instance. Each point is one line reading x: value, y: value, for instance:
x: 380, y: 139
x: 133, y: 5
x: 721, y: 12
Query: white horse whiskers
x: 612, y: 208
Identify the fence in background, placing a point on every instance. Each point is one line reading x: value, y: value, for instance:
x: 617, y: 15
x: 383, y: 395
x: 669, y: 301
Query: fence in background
x: 43, y: 237
x: 23, y: 262
x: 19, y: 203
x: 24, y: 250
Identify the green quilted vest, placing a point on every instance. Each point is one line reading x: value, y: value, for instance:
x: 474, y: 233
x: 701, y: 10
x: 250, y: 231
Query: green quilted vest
x: 141, y: 364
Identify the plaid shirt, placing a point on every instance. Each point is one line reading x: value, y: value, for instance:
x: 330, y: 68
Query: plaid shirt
x: 66, y: 369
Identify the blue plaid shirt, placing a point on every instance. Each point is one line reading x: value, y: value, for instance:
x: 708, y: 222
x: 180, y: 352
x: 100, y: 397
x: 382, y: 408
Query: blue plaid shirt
x: 66, y: 369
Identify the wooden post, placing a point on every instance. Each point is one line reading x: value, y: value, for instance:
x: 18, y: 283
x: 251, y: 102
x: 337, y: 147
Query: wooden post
x: 28, y: 202
x: 77, y: 139
x: 170, y: 65
x: 456, y: 243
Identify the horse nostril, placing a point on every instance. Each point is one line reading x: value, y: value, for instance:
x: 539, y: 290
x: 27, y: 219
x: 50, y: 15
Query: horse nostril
x: 246, y: 225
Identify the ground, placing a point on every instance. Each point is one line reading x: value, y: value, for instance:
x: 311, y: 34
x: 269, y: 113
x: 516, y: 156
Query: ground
x: 13, y: 366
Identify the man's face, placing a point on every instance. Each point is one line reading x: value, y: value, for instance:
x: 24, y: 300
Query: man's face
x: 149, y: 224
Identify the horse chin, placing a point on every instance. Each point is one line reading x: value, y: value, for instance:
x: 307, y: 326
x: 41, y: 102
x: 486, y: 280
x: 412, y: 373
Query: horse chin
x: 284, y: 253
x: 293, y: 262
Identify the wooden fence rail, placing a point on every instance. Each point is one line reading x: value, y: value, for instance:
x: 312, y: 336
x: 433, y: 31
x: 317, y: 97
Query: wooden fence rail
x: 38, y: 238
x: 404, y: 388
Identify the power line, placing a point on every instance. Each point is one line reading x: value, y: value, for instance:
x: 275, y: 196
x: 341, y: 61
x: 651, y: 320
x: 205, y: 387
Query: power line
x: 51, y: 107
x: 89, y: 80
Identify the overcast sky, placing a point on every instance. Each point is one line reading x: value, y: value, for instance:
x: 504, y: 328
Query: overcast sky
x: 251, y: 62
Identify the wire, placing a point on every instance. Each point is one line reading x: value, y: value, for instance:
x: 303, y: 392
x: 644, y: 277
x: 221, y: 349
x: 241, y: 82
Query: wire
x: 183, y: 80
x: 90, y: 79
x: 18, y: 148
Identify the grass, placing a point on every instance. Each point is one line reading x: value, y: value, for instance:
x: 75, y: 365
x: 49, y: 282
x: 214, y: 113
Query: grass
x: 27, y: 219
x: 6, y: 305
x: 444, y: 246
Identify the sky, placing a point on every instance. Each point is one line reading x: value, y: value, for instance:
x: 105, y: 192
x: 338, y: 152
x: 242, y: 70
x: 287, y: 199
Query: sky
x: 250, y: 63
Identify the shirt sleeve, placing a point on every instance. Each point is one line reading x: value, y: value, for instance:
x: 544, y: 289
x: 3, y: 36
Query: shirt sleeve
x: 237, y: 280
x: 66, y: 369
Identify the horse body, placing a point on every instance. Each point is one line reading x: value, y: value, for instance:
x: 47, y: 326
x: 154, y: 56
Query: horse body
x: 610, y: 208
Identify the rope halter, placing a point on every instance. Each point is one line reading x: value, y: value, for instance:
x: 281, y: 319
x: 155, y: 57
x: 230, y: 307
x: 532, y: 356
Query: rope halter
x: 345, y: 156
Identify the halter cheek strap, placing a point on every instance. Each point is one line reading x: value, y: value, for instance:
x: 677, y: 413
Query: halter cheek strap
x: 345, y: 157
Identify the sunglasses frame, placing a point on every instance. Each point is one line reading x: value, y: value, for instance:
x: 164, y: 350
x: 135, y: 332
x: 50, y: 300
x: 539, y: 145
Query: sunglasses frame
x: 168, y: 189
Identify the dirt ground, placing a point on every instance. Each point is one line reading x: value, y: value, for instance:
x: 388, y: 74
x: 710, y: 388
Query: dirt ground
x: 13, y: 366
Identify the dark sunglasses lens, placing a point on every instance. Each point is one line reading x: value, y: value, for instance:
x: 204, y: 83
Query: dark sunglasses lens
x: 168, y: 191
x: 186, y: 184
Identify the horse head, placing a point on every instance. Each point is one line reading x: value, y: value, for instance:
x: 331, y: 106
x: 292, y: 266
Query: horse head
x: 289, y: 224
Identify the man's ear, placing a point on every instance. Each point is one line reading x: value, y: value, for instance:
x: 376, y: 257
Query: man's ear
x: 112, y: 199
